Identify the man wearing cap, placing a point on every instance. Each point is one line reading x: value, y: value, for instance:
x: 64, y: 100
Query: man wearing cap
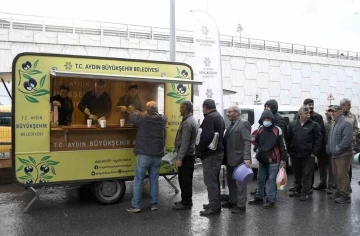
x: 321, y: 157
x: 149, y: 149
x: 345, y: 105
x: 96, y: 104
x: 130, y: 99
x: 304, y: 143
x: 64, y: 104
x: 185, y: 149
x: 339, y: 147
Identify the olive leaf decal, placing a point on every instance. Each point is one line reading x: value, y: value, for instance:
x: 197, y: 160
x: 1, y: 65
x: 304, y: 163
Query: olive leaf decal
x: 37, y: 172
x: 179, y: 91
x: 30, y: 87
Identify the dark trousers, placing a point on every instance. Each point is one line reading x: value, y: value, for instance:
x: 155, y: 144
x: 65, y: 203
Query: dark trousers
x: 185, y: 176
x: 303, y: 169
x: 211, y: 171
x: 325, y: 170
x: 237, y: 190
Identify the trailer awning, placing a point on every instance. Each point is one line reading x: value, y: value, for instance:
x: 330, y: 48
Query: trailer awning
x: 124, y: 77
x: 6, y: 76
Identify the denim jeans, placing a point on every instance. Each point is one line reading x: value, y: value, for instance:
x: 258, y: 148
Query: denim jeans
x: 152, y: 165
x: 264, y: 172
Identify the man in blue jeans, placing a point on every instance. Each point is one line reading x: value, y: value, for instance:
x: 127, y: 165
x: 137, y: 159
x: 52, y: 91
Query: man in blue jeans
x: 271, y: 153
x: 149, y: 149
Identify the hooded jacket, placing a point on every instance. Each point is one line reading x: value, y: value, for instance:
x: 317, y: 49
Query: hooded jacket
x: 278, y: 119
x: 269, y: 142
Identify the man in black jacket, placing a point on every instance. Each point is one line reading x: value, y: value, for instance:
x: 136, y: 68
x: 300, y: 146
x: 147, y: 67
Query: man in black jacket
x: 304, y: 143
x: 211, y: 159
x: 322, y: 157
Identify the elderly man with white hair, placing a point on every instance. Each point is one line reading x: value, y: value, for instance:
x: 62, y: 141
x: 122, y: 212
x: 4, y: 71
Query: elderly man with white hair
x: 345, y: 105
x: 237, y: 150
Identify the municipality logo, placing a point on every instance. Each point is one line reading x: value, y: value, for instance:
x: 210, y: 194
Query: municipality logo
x: 209, y: 93
x: 204, y: 30
x: 68, y: 65
x: 207, y: 61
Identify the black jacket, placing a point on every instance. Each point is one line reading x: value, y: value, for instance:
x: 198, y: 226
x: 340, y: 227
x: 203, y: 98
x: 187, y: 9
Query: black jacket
x: 65, y: 111
x: 278, y: 119
x: 319, y: 119
x: 304, y: 140
x: 213, y: 122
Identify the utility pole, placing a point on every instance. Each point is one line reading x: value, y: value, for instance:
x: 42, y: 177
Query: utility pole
x: 172, y: 32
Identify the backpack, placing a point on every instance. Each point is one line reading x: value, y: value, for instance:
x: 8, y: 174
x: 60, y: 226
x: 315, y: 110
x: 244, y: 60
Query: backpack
x: 274, y: 155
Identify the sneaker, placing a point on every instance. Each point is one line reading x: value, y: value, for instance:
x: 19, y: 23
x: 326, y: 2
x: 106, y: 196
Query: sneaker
x: 268, y: 204
x: 294, y: 194
x: 304, y: 197
x: 256, y: 201
x: 154, y: 207
x: 343, y: 199
x: 335, y: 195
x: 133, y: 209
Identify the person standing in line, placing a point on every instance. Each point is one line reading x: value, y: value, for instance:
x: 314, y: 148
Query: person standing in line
x: 340, y: 148
x: 321, y: 157
x: 304, y: 143
x: 211, y: 159
x: 149, y: 149
x: 185, y: 149
x: 331, y: 186
x: 345, y: 105
x: 237, y: 150
x: 271, y: 153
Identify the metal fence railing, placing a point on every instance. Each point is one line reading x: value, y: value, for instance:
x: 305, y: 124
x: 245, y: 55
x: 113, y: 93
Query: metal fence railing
x: 86, y: 27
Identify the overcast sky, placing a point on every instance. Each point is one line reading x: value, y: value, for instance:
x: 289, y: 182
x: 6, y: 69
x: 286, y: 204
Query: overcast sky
x: 322, y: 23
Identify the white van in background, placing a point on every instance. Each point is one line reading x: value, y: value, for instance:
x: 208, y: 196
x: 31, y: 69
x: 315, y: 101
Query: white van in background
x: 252, y: 113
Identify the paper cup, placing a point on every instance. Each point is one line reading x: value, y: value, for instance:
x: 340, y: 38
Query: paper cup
x: 102, y: 123
x: 122, y: 122
x: 89, y: 123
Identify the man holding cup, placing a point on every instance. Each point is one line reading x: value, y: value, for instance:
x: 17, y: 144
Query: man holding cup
x: 128, y: 103
x: 96, y: 104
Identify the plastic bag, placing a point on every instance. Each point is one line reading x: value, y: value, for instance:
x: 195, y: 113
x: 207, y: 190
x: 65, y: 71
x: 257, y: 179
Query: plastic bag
x: 281, y: 179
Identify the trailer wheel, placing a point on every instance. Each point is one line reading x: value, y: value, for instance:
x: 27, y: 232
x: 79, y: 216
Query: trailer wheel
x: 110, y: 191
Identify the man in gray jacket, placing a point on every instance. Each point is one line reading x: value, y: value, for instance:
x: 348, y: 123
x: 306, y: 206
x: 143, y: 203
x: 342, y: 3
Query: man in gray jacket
x: 185, y: 149
x: 339, y: 147
x: 237, y: 150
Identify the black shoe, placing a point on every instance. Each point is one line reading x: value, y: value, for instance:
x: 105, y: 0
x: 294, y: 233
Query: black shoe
x: 256, y: 201
x: 335, y: 195
x: 228, y: 205
x: 320, y: 186
x: 238, y: 209
x: 206, y: 206
x: 253, y: 193
x: 268, y: 204
x: 181, y: 207
x: 304, y: 197
x: 209, y: 212
x: 343, y: 199
x: 295, y: 194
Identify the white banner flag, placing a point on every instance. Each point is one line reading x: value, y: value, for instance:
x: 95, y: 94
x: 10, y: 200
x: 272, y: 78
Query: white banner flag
x: 208, y: 58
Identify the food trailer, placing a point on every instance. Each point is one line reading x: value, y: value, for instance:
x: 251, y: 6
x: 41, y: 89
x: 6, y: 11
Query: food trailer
x: 45, y: 153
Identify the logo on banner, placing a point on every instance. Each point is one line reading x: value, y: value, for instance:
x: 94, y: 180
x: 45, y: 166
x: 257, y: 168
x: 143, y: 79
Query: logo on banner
x: 207, y: 62
x: 209, y: 93
x: 204, y: 30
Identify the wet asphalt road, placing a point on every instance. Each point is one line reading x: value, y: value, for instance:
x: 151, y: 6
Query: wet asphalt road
x: 71, y: 212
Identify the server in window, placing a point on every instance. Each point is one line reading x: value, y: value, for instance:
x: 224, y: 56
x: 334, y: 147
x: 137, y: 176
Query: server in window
x: 96, y: 104
x: 64, y: 104
x: 129, y: 102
